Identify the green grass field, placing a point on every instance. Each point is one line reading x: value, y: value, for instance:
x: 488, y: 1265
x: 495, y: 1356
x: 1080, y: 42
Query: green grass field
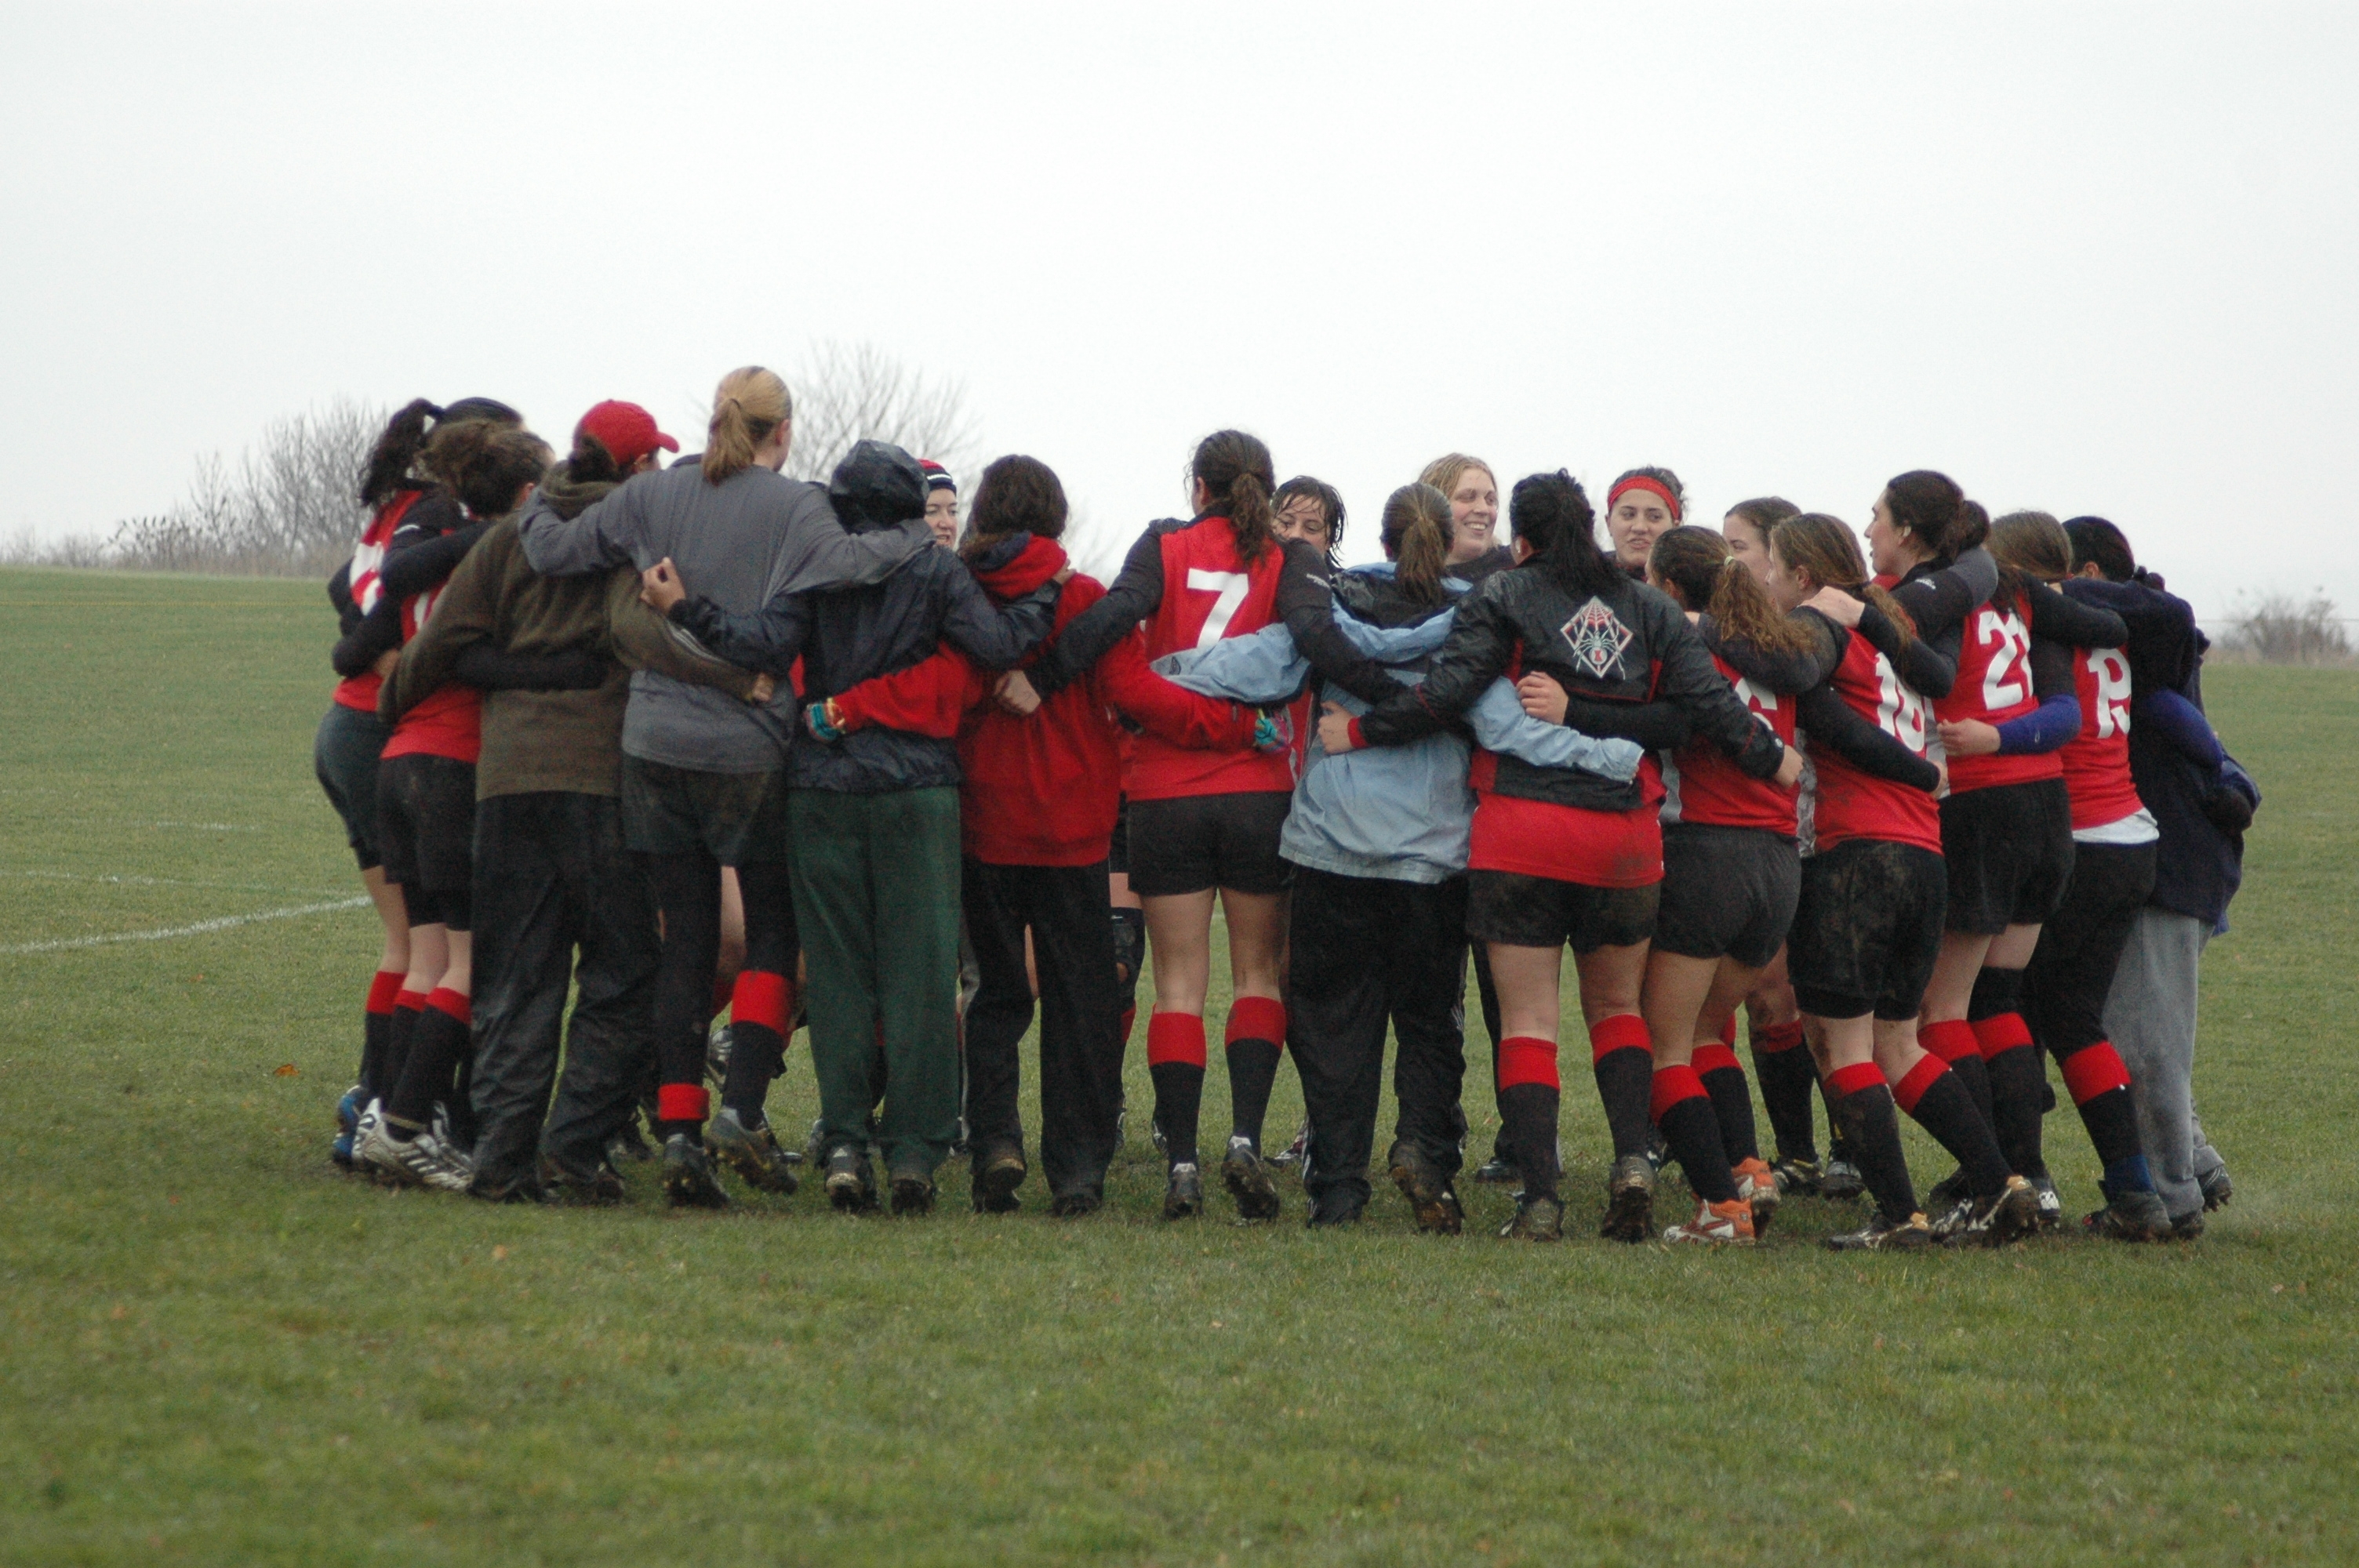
x: 216, y: 1348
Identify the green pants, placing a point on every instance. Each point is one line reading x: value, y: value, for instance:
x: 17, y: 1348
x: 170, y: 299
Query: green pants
x: 876, y: 896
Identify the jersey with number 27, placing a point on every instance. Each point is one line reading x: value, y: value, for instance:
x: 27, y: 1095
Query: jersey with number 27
x: 1209, y: 593
x: 1993, y: 685
x: 1852, y: 803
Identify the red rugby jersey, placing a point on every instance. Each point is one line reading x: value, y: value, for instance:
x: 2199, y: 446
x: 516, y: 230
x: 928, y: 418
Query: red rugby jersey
x: 1851, y: 803
x: 450, y: 722
x: 1994, y: 685
x: 360, y: 691
x: 1209, y: 593
x: 2097, y: 761
x: 1704, y: 786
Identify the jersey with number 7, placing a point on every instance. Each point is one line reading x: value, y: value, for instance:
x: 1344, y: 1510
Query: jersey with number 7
x: 1209, y: 593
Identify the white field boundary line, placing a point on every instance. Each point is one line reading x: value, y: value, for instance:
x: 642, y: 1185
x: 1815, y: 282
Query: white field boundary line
x: 107, y: 879
x: 223, y: 923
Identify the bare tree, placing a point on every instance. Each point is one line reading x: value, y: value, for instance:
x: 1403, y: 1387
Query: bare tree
x: 845, y: 393
x: 2279, y: 630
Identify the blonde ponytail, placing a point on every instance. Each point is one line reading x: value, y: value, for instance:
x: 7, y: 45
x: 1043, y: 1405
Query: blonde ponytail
x: 747, y: 408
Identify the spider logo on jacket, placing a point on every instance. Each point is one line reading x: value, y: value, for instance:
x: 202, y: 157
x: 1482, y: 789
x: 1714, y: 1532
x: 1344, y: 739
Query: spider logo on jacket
x: 1598, y: 637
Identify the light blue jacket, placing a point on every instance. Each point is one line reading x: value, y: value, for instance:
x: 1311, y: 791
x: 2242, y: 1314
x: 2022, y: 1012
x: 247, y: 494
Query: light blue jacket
x: 1393, y: 813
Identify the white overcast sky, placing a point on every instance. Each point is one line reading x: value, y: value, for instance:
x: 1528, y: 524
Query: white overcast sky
x: 2084, y: 258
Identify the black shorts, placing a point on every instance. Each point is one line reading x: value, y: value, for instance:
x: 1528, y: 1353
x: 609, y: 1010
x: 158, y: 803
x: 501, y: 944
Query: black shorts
x: 426, y: 826
x: 2009, y: 849
x: 1118, y: 851
x: 739, y: 819
x: 344, y: 755
x: 1540, y: 912
x: 1202, y: 841
x: 1866, y: 930
x: 1728, y: 892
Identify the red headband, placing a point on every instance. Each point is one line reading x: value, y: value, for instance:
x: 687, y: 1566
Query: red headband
x: 1642, y: 481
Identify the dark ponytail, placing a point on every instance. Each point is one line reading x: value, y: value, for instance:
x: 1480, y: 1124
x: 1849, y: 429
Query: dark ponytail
x: 1550, y: 512
x: 1416, y: 530
x: 1696, y: 567
x: 2095, y: 540
x: 387, y: 470
x: 1934, y: 510
x: 1238, y: 479
x: 486, y: 464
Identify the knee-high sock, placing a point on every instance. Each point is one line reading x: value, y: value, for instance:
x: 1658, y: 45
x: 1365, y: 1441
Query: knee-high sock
x: 2100, y: 1088
x: 1622, y: 1056
x: 1864, y: 1118
x: 1680, y: 1108
x: 761, y: 1009
x: 376, y: 1026
x: 1254, y: 1040
x: 437, y: 1043
x: 1529, y: 1093
x: 399, y: 1028
x: 2012, y: 1064
x: 1931, y: 1095
x: 1732, y: 1102
x: 1953, y: 1041
x: 1175, y: 1060
x: 1787, y: 1081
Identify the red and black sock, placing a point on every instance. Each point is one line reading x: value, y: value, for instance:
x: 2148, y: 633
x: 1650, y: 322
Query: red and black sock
x: 681, y: 1108
x: 1863, y: 1117
x: 761, y: 1014
x: 2100, y: 1087
x: 1789, y: 1079
x: 1684, y: 1112
x: 1731, y: 1098
x: 1622, y: 1056
x: 1931, y: 1095
x: 438, y: 1043
x: 376, y: 1024
x: 1175, y: 1060
x: 2011, y: 1065
x: 1953, y: 1041
x: 1529, y: 1095
x: 399, y: 1030
x: 1254, y: 1039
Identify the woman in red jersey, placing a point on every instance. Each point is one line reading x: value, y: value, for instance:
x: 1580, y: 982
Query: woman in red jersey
x: 2114, y: 838
x: 1868, y: 926
x: 1731, y: 872
x: 351, y: 737
x: 1204, y: 823
x: 1561, y: 856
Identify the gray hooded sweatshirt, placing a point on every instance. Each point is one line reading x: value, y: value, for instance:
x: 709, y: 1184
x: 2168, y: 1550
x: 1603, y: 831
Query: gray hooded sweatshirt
x: 740, y: 543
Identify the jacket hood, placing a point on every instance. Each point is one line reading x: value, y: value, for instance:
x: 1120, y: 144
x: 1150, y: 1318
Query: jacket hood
x: 875, y: 486
x: 1373, y: 594
x: 1015, y: 566
x: 570, y: 497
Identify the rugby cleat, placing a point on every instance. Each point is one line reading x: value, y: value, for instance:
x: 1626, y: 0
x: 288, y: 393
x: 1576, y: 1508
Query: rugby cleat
x: 2009, y: 1215
x: 1537, y: 1218
x: 752, y: 1151
x: 1497, y: 1173
x: 2050, y: 1204
x: 601, y: 1186
x: 913, y: 1195
x: 1630, y: 1201
x: 851, y: 1185
x: 1430, y: 1196
x: 1074, y: 1203
x: 1947, y: 1194
x: 428, y: 1160
x: 1715, y: 1225
x: 688, y: 1175
x: 1796, y: 1178
x: 1249, y: 1181
x: 1335, y: 1211
x: 1292, y: 1154
x: 1841, y: 1180
x: 348, y: 1122
x: 1756, y: 1183
x: 1882, y: 1235
x: 2216, y: 1188
x: 1183, y: 1196
x: 997, y: 1175
x: 2130, y: 1217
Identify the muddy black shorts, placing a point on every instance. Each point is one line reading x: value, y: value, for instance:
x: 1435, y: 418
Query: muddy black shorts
x: 1202, y: 842
x: 1866, y: 930
x: 344, y: 755
x: 739, y: 819
x: 1728, y: 892
x: 1118, y: 851
x: 1540, y: 912
x: 2009, y: 849
x: 426, y: 827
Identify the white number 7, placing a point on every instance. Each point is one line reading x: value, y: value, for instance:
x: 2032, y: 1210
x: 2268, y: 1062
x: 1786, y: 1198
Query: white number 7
x: 1231, y: 586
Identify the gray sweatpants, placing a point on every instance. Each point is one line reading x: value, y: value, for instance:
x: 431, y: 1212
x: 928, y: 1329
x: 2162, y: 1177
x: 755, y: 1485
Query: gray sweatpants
x: 2150, y: 1016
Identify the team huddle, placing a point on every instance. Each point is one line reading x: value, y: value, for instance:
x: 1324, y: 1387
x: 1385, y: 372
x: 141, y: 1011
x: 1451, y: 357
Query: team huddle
x: 674, y: 741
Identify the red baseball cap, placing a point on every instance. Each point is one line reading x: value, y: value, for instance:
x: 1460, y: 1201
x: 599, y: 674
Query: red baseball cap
x: 626, y: 430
